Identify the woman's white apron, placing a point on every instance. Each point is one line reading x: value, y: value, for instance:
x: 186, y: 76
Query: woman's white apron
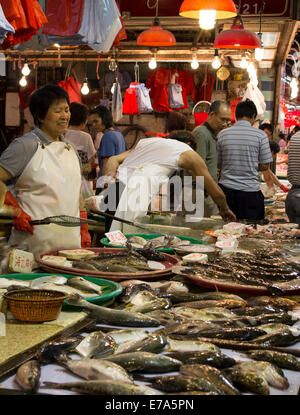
x: 49, y: 186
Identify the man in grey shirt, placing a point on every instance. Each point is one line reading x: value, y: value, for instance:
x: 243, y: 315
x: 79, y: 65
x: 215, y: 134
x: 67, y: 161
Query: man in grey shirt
x: 206, y: 138
x: 243, y: 151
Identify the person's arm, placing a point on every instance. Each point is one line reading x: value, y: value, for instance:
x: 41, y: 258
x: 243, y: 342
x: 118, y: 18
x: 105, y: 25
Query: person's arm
x: 4, y: 176
x: 263, y: 167
x: 190, y: 160
x: 111, y: 164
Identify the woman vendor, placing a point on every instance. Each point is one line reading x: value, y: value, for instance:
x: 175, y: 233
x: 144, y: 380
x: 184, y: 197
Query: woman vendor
x: 46, y: 175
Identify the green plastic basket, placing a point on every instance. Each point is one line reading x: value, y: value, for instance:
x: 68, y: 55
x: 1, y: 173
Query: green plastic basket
x: 105, y: 241
x: 112, y: 289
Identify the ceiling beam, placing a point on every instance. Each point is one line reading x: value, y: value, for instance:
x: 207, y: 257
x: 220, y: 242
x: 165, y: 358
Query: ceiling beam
x: 286, y: 40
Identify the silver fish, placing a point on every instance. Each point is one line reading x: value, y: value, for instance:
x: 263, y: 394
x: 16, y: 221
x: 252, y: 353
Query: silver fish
x: 272, y: 374
x: 28, y: 376
x: 123, y: 336
x: 54, y: 279
x: 64, y: 289
x: 96, y: 344
x: 6, y: 282
x: 96, y: 369
x: 84, y: 285
x: 113, y: 317
x: 102, y: 387
x: 190, y: 345
x: 154, y: 343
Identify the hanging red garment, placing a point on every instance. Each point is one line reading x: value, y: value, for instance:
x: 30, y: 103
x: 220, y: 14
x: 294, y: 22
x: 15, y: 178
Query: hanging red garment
x: 205, y: 88
x: 26, y: 17
x: 161, y: 99
x: 130, y: 102
x: 25, y: 94
x: 122, y: 33
x: 64, y: 17
x: 233, y: 105
x: 73, y: 89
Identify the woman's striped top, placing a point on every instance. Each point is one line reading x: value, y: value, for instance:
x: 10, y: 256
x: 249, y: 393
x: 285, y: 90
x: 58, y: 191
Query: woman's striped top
x: 294, y: 160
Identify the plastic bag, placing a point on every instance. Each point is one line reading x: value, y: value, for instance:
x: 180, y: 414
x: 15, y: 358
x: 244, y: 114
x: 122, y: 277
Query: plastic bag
x: 254, y: 94
x: 64, y: 17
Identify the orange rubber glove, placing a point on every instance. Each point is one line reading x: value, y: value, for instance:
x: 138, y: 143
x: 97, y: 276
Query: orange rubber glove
x: 21, y: 222
x: 284, y: 188
x: 86, y: 241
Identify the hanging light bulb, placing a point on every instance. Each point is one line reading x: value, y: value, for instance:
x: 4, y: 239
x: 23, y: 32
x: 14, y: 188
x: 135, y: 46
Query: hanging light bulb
x: 113, y: 65
x: 25, y: 70
x: 207, y: 19
x: 244, y: 63
x: 23, y: 81
x: 259, y: 54
x: 216, y: 63
x: 85, y: 88
x: 152, y: 63
x: 294, y: 87
x: 194, y: 63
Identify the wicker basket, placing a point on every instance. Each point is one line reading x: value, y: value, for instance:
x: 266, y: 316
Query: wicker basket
x: 35, y: 305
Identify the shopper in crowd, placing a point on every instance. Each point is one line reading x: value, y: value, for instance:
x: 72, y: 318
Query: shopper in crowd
x: 112, y: 142
x: 269, y: 177
x: 46, y: 176
x: 176, y: 121
x: 206, y: 138
x: 292, y: 203
x: 156, y: 158
x: 282, y: 142
x: 269, y: 130
x: 243, y: 151
x: 83, y: 143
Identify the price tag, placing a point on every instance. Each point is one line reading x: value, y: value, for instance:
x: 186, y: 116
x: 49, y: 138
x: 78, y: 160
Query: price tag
x: 116, y: 238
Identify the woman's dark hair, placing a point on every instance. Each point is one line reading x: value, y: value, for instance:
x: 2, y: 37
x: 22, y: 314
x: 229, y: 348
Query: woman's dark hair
x: 274, y: 146
x: 79, y: 113
x: 184, y: 136
x: 104, y: 114
x: 41, y: 99
x: 267, y: 126
x: 176, y: 121
x: 245, y: 109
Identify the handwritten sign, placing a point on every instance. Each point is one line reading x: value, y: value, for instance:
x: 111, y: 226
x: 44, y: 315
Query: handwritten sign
x: 116, y: 238
x: 20, y: 261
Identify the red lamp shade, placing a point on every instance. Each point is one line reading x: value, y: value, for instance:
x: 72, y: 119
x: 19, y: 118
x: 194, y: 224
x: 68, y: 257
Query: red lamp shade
x: 237, y: 37
x: 156, y: 36
x: 225, y: 9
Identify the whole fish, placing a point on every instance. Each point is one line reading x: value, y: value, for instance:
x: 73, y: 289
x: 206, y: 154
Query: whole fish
x: 157, y: 304
x: 84, y: 285
x: 54, y: 279
x: 190, y: 345
x: 145, y: 362
x: 282, y: 336
x: 113, y: 317
x: 205, y: 357
x: 281, y: 302
x: 257, y: 310
x: 165, y: 317
x: 226, y: 303
x: 96, y: 344
x: 240, y: 334
x: 6, y: 282
x: 205, y: 314
x: 48, y: 353
x: 283, y: 360
x: 272, y: 374
x: 65, y: 289
x: 182, y: 383
x: 95, y: 369
x: 123, y: 336
x: 101, y: 387
x: 208, y: 296
x: 28, y: 376
x: 162, y: 286
x: 212, y: 374
x: 152, y: 343
x: 190, y: 328
x: 248, y: 381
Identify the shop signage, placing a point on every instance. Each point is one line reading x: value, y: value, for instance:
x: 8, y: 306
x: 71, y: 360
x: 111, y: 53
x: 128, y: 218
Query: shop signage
x: 278, y: 8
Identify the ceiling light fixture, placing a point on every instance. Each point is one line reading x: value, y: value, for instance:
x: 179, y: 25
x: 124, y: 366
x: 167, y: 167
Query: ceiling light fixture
x: 207, y: 11
x: 244, y: 63
x: 216, y: 62
x: 23, y: 81
x: 156, y: 35
x: 152, y: 63
x: 259, y: 52
x: 85, y: 88
x: 194, y: 63
x: 25, y: 70
x: 237, y: 37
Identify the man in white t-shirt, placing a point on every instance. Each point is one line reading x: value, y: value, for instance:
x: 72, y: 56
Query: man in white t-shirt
x: 156, y: 159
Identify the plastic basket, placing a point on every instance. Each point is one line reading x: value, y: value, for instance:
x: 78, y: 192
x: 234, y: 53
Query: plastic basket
x: 35, y: 306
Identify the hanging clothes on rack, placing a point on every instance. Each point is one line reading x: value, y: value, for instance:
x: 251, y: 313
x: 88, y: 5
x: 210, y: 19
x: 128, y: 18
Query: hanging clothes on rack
x: 26, y: 17
x: 100, y: 24
x: 117, y: 104
x: 64, y: 17
x: 130, y: 106
x: 5, y: 26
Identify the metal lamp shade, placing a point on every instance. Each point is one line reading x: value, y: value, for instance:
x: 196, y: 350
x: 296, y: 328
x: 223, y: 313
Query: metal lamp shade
x: 156, y: 36
x: 225, y: 9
